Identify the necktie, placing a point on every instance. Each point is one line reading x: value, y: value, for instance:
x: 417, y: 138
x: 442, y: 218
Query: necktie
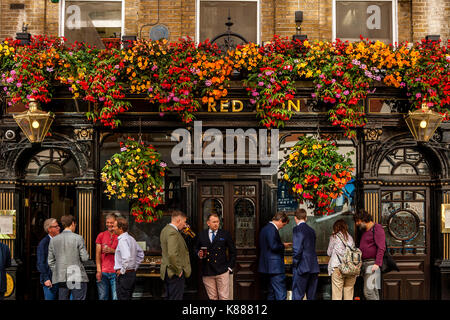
x: 213, y: 236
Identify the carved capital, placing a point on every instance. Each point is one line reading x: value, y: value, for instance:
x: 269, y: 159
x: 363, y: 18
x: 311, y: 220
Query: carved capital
x: 372, y: 134
x: 84, y: 134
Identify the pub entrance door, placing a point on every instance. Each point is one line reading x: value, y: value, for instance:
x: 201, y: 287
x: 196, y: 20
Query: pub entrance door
x: 41, y: 203
x: 407, y: 216
x: 237, y: 204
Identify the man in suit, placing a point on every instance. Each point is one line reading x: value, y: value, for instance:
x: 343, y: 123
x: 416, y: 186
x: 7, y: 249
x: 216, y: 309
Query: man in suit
x: 216, y: 266
x: 305, y: 267
x: 5, y: 262
x: 66, y: 252
x: 271, y: 256
x: 51, y: 226
x: 175, y: 264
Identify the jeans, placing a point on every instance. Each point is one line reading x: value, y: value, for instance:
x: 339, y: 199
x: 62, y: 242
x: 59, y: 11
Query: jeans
x: 107, y: 286
x: 50, y: 293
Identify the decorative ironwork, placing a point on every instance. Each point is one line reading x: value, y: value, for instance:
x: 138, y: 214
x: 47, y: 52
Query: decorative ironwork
x: 404, y: 161
x: 228, y: 40
x: 403, y: 224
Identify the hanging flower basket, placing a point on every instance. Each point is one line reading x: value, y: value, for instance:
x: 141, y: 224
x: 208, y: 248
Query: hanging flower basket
x: 136, y: 174
x: 317, y: 172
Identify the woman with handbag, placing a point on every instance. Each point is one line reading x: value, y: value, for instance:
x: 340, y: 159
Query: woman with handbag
x: 372, y: 246
x: 342, y: 282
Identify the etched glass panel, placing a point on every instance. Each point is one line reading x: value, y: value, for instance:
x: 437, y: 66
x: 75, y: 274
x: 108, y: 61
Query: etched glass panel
x: 244, y: 217
x: 212, y: 206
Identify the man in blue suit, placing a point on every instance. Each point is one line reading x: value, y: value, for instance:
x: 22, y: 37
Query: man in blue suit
x: 51, y: 226
x: 5, y: 262
x: 271, y: 256
x: 305, y: 267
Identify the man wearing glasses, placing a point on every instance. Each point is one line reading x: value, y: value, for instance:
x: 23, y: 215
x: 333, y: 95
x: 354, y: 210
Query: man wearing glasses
x: 51, y: 226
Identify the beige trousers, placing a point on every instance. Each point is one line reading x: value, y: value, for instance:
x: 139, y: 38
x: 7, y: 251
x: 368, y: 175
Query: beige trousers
x: 218, y: 287
x: 340, y: 283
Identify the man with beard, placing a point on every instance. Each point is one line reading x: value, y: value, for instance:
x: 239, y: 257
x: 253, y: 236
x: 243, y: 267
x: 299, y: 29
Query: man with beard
x: 372, y: 246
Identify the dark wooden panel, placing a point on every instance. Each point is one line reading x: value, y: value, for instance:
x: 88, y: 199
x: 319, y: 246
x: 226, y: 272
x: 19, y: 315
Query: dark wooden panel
x: 414, y: 289
x: 391, y: 289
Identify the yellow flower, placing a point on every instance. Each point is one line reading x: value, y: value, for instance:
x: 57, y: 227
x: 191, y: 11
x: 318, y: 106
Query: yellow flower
x: 137, y: 158
x: 286, y: 177
x: 305, y: 152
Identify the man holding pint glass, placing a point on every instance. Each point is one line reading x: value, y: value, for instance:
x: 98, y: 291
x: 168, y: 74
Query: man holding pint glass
x: 211, y: 247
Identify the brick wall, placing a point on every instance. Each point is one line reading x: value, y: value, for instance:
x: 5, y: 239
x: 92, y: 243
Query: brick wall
x: 416, y: 18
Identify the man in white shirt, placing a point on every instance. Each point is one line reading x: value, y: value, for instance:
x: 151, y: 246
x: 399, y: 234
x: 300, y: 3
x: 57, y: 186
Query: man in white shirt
x: 127, y: 259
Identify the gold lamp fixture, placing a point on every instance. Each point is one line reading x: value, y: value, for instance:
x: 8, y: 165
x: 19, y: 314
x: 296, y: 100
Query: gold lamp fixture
x: 423, y: 123
x: 34, y: 122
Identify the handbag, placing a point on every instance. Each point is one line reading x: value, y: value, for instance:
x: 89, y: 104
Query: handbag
x: 388, y: 262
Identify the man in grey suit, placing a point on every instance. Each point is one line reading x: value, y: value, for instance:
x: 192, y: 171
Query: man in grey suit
x: 66, y: 254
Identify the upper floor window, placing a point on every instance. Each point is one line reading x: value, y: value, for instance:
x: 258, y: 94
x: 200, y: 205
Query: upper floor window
x: 93, y: 22
x: 376, y: 20
x: 212, y: 17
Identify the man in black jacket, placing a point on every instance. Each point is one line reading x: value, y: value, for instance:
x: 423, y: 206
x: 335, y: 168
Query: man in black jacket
x: 216, y: 266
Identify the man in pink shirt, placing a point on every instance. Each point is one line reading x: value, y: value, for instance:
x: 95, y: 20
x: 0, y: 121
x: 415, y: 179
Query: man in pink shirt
x: 106, y: 245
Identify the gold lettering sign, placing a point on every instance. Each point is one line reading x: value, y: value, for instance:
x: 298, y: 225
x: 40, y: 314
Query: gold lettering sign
x: 236, y: 106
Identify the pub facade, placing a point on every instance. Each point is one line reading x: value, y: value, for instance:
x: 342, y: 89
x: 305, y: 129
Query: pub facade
x: 402, y: 182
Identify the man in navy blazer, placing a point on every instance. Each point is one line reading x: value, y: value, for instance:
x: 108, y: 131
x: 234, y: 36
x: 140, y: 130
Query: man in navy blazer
x: 305, y: 267
x: 271, y: 256
x: 216, y: 264
x: 51, y: 226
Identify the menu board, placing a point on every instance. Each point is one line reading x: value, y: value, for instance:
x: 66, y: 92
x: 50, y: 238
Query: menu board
x: 7, y: 224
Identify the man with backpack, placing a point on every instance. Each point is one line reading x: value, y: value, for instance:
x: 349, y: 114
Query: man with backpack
x: 372, y: 246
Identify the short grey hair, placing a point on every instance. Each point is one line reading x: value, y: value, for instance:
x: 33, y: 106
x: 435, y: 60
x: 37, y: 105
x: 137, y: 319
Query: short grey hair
x: 112, y: 215
x: 48, y: 223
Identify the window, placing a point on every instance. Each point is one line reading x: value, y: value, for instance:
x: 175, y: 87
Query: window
x: 212, y: 16
x: 376, y: 20
x: 92, y: 21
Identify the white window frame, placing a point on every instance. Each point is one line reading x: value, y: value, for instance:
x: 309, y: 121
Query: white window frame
x: 394, y: 18
x: 62, y: 8
x: 258, y: 18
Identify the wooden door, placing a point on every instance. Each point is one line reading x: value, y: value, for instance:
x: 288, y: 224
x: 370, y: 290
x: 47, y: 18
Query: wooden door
x: 237, y: 204
x: 405, y: 219
x: 38, y: 209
